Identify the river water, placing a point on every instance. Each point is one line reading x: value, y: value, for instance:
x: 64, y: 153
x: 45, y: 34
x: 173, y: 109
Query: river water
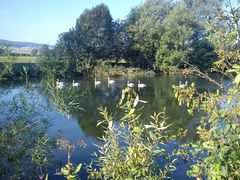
x: 81, y: 124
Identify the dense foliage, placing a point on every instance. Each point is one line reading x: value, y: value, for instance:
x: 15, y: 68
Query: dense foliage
x: 6, y: 68
x: 134, y: 149
x: 155, y: 35
x: 217, y: 152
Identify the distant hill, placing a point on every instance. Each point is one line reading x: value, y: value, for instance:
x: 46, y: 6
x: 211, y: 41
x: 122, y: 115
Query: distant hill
x: 17, y: 44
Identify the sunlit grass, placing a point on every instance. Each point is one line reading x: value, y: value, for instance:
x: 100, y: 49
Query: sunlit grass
x: 19, y: 59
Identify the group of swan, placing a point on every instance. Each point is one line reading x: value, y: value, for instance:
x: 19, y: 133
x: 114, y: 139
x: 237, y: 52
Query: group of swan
x: 110, y: 81
x: 129, y: 84
x: 140, y: 85
x: 60, y: 84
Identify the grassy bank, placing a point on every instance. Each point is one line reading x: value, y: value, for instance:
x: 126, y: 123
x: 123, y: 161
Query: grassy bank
x: 19, y: 59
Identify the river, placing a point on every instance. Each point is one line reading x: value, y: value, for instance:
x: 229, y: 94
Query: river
x: 81, y: 124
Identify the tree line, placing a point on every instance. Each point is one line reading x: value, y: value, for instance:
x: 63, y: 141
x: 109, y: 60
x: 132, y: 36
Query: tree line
x: 156, y: 35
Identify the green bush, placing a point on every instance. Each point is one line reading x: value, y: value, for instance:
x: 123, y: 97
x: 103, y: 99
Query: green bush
x: 132, y: 150
x: 24, y: 145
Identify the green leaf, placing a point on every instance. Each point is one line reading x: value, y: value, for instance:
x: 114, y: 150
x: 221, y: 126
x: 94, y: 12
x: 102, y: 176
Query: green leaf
x: 71, y: 177
x: 77, y: 169
x: 237, y: 79
x: 149, y: 126
x: 64, y: 170
x: 137, y: 130
x: 226, y: 129
x: 224, y: 171
x: 131, y: 111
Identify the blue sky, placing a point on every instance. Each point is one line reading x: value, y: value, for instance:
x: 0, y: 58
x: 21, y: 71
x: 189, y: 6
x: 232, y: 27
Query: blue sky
x: 42, y: 20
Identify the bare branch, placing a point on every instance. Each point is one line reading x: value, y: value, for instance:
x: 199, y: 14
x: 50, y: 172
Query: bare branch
x: 203, y: 75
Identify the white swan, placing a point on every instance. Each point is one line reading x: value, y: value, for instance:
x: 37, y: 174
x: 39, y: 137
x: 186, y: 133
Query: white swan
x: 75, y: 84
x: 59, y: 84
x: 182, y: 86
x: 130, y: 84
x: 110, y: 81
x: 141, y: 85
x: 97, y: 82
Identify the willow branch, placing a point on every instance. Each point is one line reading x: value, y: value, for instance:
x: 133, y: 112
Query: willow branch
x: 203, y: 75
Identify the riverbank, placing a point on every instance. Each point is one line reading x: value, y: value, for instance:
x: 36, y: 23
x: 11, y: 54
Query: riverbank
x: 12, y: 68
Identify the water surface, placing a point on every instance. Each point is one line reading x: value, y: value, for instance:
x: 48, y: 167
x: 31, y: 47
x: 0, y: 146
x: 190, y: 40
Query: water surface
x: 81, y: 125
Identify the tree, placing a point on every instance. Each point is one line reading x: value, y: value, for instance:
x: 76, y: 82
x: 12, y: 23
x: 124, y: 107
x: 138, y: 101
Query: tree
x: 34, y: 52
x: 175, y: 40
x: 203, y: 54
x: 120, y: 41
x: 44, y: 50
x: 67, y: 50
x: 161, y: 33
x: 72, y: 54
x: 94, y: 31
x: 90, y: 40
x: 6, y: 69
x: 216, y: 153
x: 144, y: 29
x: 1, y: 51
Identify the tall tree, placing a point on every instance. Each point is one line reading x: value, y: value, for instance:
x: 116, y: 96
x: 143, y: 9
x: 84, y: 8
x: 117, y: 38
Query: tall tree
x: 203, y: 11
x: 120, y: 41
x: 174, y: 42
x: 91, y: 39
x: 72, y: 54
x: 144, y: 29
x: 94, y: 31
x: 164, y: 32
x: 44, y: 50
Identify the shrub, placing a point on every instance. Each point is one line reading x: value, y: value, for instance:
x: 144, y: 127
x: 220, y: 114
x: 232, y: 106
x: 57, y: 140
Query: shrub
x: 131, y: 151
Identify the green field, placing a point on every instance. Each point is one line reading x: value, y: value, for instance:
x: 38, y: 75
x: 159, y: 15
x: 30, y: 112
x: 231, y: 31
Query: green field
x: 19, y: 59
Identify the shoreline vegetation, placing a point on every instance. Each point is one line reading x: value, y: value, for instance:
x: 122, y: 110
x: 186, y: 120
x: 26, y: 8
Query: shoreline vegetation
x: 14, y: 70
x: 161, y: 36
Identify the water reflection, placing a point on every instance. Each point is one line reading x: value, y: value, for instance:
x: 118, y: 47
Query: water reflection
x: 23, y: 128
x: 71, y: 101
x: 77, y: 124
